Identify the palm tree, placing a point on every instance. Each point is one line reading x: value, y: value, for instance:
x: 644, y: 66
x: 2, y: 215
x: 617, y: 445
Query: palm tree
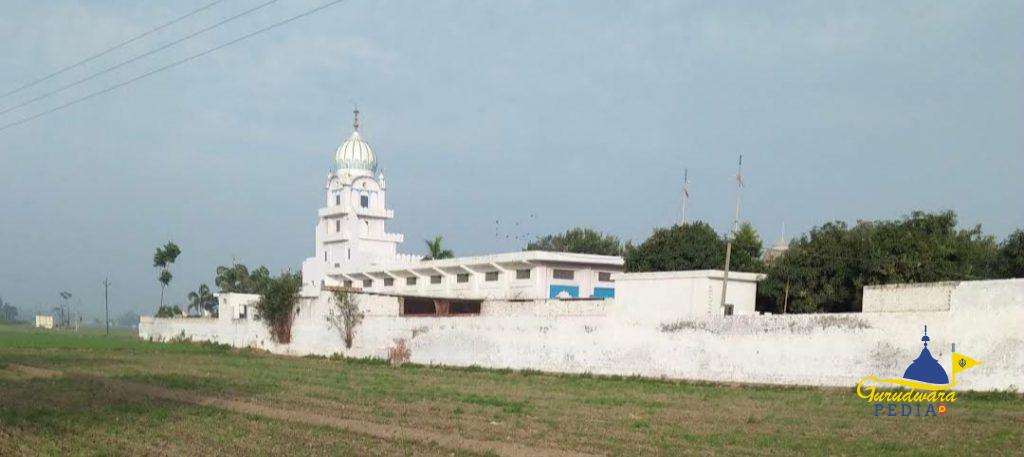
x: 162, y: 259
x: 231, y: 279
x: 436, y: 249
x: 201, y: 299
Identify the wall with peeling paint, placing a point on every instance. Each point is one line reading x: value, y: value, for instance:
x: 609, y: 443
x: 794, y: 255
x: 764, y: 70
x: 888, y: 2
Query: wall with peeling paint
x: 984, y: 318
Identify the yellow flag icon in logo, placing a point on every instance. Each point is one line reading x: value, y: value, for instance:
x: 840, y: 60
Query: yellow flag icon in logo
x: 962, y: 362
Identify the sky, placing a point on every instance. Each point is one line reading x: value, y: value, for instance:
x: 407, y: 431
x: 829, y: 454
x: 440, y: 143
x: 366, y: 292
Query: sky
x: 494, y: 122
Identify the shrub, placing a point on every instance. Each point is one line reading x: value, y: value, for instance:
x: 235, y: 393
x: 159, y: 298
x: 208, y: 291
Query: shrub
x: 399, y: 354
x: 345, y: 315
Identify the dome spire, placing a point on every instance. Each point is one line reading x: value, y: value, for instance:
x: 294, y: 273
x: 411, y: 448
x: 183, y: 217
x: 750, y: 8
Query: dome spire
x: 354, y: 156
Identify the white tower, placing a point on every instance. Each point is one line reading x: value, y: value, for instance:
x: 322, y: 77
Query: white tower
x: 350, y: 228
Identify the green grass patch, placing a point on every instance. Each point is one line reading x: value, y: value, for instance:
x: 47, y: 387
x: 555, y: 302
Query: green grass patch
x: 612, y: 415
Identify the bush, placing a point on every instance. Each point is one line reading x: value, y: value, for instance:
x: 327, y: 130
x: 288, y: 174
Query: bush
x: 399, y: 354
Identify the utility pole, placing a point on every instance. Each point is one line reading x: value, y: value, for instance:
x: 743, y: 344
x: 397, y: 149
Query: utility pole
x: 732, y: 233
x: 686, y: 192
x: 106, y: 303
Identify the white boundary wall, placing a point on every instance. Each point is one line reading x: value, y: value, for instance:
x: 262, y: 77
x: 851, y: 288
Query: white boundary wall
x: 984, y: 318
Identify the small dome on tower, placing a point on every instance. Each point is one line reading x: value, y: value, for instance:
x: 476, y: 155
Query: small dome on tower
x: 355, y: 156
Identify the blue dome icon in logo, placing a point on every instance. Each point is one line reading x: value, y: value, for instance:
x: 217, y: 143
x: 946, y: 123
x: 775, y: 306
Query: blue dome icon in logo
x: 925, y: 368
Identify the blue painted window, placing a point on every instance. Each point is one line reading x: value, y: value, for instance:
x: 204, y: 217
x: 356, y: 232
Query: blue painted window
x: 604, y: 292
x: 573, y: 291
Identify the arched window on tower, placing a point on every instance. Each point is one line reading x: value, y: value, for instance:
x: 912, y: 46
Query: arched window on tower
x: 364, y: 201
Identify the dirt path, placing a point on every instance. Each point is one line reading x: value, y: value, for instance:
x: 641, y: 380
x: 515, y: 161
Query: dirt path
x: 388, y: 432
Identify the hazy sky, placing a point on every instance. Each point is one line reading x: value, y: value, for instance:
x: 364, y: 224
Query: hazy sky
x: 577, y: 113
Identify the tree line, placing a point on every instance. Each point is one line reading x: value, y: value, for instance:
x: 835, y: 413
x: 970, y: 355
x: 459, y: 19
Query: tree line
x: 825, y: 269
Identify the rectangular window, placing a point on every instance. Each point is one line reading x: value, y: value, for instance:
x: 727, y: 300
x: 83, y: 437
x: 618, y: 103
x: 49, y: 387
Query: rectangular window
x: 410, y: 281
x: 388, y: 282
x: 462, y: 277
x: 435, y: 279
x: 491, y: 276
x: 564, y: 274
x: 337, y: 226
x: 367, y: 283
x: 364, y: 201
x: 337, y: 200
x: 604, y: 276
x: 523, y: 273
x: 348, y: 283
x: 728, y: 310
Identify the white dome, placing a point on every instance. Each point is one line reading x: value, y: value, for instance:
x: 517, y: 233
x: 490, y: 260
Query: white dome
x: 355, y: 156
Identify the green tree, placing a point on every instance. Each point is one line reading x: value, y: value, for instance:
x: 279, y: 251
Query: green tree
x: 693, y: 246
x: 65, y: 309
x: 345, y: 315
x: 168, y: 311
x: 436, y: 249
x: 162, y: 259
x: 827, y: 268
x: 746, y: 250
x: 579, y: 240
x: 276, y: 306
x: 128, y: 319
x: 8, y: 312
x: 238, y: 279
x: 1010, y: 259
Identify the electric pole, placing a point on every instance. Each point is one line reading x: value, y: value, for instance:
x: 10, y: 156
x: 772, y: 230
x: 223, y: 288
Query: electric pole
x: 732, y: 233
x: 106, y: 303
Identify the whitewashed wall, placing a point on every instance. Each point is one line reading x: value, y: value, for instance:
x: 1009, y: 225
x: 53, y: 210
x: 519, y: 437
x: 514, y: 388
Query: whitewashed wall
x: 985, y: 319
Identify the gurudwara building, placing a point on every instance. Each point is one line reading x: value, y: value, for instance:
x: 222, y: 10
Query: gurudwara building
x: 355, y: 251
x: 578, y: 313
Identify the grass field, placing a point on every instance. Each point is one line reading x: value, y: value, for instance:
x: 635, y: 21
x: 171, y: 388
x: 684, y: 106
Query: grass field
x: 120, y: 396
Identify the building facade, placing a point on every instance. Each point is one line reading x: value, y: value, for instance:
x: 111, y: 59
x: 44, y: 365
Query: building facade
x: 353, y: 250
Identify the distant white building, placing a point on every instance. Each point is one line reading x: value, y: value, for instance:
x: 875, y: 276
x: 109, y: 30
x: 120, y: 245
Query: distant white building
x: 44, y: 321
x: 354, y: 250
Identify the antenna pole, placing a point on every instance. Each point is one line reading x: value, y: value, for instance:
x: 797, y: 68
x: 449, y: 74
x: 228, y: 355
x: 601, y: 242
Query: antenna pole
x: 732, y: 233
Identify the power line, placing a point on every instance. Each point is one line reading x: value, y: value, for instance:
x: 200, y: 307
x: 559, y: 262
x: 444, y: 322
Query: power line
x: 170, y: 65
x: 138, y: 57
x: 112, y: 48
